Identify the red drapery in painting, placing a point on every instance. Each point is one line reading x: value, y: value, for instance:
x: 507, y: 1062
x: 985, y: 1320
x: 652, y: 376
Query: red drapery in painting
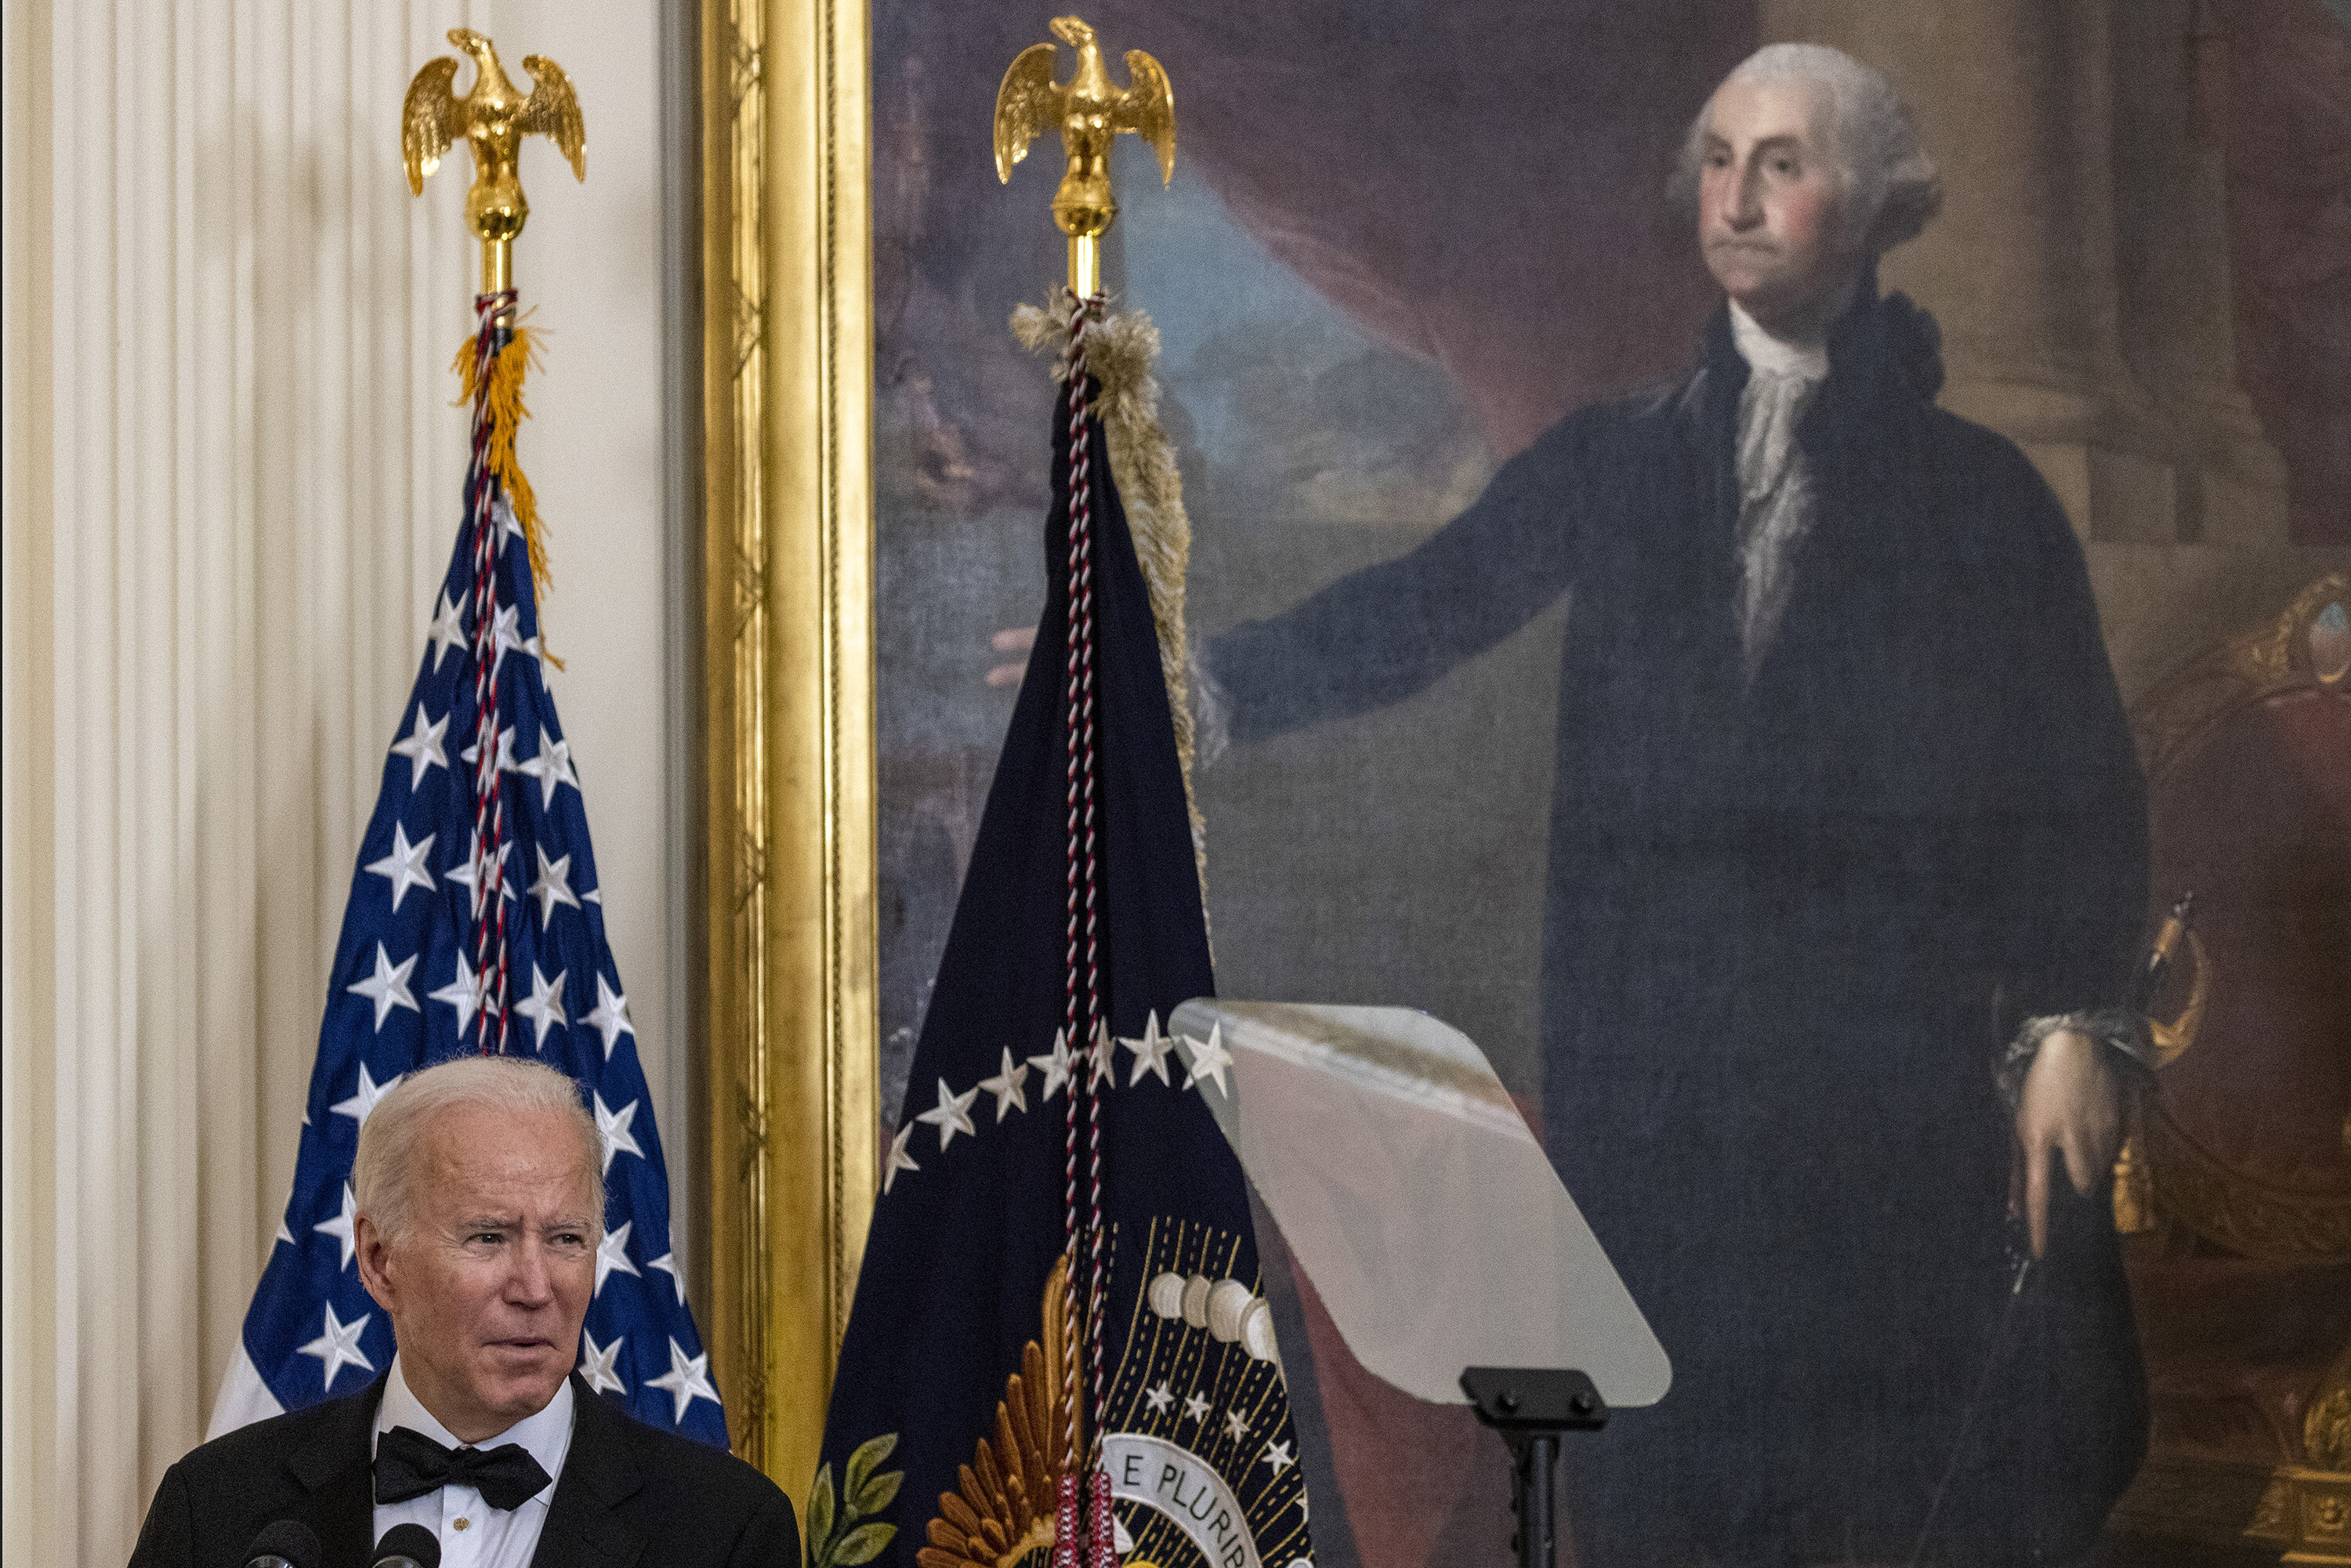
x: 1448, y: 235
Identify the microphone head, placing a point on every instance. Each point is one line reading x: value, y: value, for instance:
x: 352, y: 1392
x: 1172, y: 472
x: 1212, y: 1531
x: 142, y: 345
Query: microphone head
x: 407, y: 1546
x: 290, y: 1542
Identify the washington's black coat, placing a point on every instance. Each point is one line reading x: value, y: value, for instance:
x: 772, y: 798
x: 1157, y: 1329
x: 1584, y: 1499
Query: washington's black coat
x: 1789, y: 923
x: 629, y: 1493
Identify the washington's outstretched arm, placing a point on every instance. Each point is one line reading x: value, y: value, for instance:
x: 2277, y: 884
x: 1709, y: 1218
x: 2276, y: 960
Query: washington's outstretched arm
x: 1391, y: 630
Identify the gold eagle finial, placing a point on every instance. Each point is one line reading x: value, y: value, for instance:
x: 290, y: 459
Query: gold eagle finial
x: 493, y: 117
x: 1089, y: 112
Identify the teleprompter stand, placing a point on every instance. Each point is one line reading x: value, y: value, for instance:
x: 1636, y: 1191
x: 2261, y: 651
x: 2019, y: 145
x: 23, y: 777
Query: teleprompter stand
x: 1531, y: 1407
x: 1480, y: 1258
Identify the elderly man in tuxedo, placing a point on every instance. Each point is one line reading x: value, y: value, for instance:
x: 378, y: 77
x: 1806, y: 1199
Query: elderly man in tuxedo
x: 480, y: 1204
x: 1847, y: 858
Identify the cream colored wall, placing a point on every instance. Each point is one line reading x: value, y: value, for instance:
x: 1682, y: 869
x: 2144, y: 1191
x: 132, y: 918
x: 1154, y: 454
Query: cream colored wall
x: 232, y: 477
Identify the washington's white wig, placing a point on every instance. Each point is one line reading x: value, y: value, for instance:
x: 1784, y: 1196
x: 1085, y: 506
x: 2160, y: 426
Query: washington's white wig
x: 385, y: 1170
x: 1891, y: 185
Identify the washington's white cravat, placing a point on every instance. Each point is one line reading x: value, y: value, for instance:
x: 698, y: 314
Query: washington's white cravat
x: 472, y: 1534
x: 1775, y: 484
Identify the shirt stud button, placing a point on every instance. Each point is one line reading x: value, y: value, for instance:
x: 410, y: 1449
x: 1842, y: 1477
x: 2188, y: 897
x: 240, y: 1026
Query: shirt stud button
x: 461, y: 1523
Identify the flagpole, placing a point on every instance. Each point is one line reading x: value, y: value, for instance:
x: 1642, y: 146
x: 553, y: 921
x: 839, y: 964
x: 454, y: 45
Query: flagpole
x: 1090, y: 113
x: 491, y: 118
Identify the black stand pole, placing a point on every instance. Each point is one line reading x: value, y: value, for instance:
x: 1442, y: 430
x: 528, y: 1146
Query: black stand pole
x: 1531, y: 1407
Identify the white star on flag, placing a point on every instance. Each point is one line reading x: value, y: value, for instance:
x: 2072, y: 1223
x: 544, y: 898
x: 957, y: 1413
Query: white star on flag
x: 1105, y: 1059
x: 463, y: 993
x: 388, y: 986
x: 283, y: 1234
x: 462, y: 873
x: 340, y: 1346
x: 1006, y: 1087
x: 509, y: 526
x: 363, y: 1101
x: 552, y: 767
x: 1149, y: 1051
x: 1056, y: 1065
x: 667, y: 1264
x: 341, y: 1228
x: 1158, y: 1397
x: 505, y: 633
x: 405, y: 867
x: 447, y: 631
x: 899, y: 1160
x: 422, y: 747
x: 687, y: 1380
x: 612, y: 1256
x: 1210, y: 1060
x: 596, y: 1363
x: 544, y: 1006
x: 611, y: 1017
x: 473, y: 753
x: 951, y: 1114
x: 1278, y: 1456
x: 612, y: 1126
x: 1237, y: 1423
x: 553, y: 884
x: 1196, y: 1409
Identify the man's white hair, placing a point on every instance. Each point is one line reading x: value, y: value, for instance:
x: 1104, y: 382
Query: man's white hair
x: 1891, y: 185
x: 384, y: 1172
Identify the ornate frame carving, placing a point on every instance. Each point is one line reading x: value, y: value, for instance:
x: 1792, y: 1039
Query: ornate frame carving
x: 786, y: 1168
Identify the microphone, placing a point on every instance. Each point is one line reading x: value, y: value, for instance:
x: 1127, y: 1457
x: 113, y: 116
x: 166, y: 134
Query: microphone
x: 406, y: 1546
x: 288, y: 1543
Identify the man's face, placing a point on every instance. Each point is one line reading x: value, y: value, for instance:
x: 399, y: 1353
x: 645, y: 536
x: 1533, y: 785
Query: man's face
x: 487, y: 1287
x: 1769, y: 205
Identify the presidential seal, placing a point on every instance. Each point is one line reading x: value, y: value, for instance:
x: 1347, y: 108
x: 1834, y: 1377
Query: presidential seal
x: 1196, y: 1439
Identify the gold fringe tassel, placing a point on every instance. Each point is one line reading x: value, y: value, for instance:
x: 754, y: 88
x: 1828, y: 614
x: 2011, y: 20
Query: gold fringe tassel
x: 1121, y: 352
x: 507, y: 411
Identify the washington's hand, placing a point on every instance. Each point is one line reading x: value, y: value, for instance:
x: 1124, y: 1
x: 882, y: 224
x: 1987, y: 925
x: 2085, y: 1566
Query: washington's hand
x: 1011, y: 639
x: 2072, y: 1105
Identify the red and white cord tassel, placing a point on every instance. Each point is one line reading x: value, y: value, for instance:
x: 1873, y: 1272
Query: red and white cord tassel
x: 1100, y: 1522
x: 489, y: 800
x: 1086, y: 1541
x: 1068, y: 1536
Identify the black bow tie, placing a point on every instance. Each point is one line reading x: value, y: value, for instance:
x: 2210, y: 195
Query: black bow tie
x: 410, y: 1464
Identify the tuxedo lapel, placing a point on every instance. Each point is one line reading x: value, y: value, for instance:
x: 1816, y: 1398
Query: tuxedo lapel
x: 599, y: 1473
x: 334, y: 1471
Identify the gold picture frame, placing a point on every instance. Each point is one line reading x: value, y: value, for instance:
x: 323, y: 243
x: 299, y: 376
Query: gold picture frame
x: 788, y: 1009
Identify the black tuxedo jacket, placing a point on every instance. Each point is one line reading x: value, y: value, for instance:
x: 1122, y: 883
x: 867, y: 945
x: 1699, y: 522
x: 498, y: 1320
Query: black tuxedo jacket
x: 628, y: 1494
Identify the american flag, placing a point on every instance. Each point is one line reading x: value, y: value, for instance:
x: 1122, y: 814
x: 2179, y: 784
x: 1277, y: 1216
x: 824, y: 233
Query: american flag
x: 476, y: 921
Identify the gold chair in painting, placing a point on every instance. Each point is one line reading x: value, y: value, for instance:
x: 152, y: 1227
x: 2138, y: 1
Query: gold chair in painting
x: 2235, y: 1187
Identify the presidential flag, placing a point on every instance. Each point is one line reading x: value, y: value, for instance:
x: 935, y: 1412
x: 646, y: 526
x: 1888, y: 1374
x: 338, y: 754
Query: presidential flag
x: 476, y: 922
x: 1060, y: 1278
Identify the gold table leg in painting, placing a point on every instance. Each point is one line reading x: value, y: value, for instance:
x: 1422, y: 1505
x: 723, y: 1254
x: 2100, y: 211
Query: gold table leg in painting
x: 2307, y: 1508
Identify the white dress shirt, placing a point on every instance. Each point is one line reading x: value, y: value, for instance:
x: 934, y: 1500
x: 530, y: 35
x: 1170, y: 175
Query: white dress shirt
x: 472, y: 1534
x: 1775, y: 484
